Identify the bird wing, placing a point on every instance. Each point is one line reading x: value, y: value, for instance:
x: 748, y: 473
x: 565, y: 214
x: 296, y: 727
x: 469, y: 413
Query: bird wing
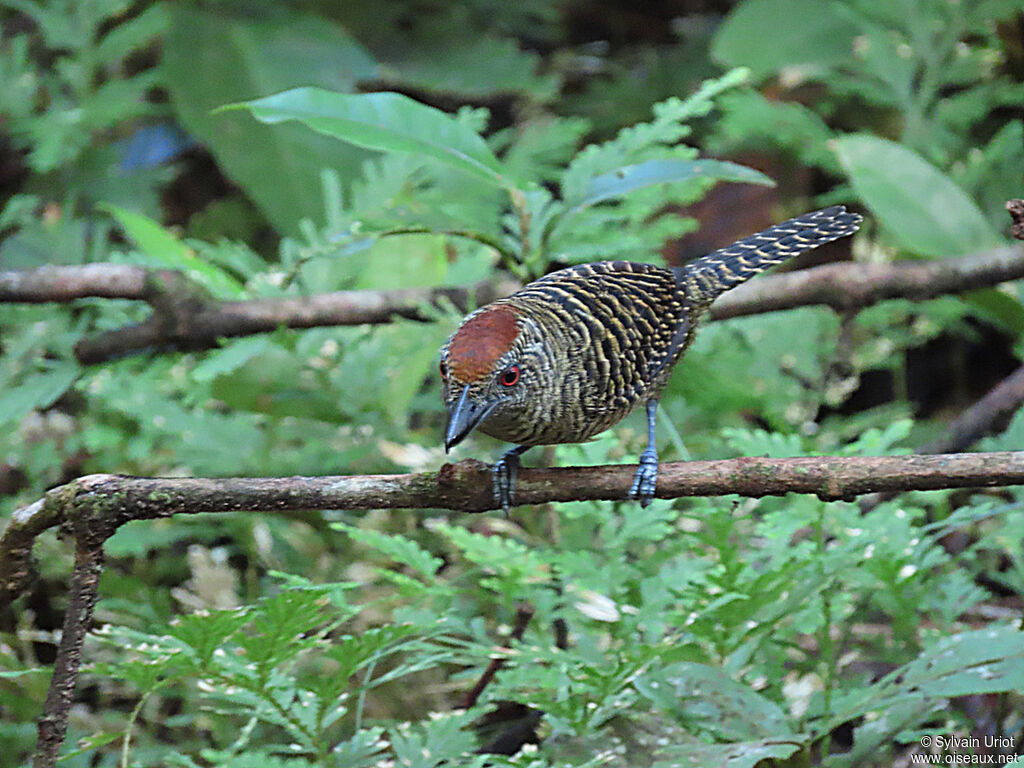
x: 642, y: 330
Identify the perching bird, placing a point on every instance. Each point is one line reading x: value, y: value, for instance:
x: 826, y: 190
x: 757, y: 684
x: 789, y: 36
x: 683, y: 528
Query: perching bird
x: 571, y: 354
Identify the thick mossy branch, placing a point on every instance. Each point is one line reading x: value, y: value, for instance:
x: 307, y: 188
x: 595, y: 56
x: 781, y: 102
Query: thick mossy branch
x: 91, y: 508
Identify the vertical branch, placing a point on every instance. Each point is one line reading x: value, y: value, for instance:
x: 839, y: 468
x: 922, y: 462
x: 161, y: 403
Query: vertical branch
x: 523, y: 615
x: 77, y: 620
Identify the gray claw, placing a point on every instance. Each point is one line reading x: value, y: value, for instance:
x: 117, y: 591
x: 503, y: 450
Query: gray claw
x: 646, y: 478
x: 505, y: 471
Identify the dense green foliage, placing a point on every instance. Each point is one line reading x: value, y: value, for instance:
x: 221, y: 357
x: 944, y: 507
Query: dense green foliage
x: 698, y: 632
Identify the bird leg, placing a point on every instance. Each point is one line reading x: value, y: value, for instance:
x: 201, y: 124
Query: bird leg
x: 505, y: 472
x: 646, y: 478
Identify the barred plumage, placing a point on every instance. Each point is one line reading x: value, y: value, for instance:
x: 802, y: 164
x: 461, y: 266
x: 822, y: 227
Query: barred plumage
x: 712, y: 275
x: 571, y: 354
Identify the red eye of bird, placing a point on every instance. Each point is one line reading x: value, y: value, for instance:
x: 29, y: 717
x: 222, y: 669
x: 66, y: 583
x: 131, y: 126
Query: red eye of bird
x: 511, y: 376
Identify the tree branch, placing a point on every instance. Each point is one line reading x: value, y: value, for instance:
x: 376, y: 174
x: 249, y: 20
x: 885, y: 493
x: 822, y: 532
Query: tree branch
x: 202, y: 327
x: 93, y: 507
x: 52, y: 726
x: 1016, y: 210
x: 986, y: 417
x: 848, y: 286
x: 184, y: 317
x: 524, y: 613
x: 67, y: 283
x: 96, y: 505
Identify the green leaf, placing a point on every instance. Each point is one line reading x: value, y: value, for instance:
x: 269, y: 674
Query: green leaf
x: 710, y: 697
x: 132, y: 35
x: 409, y: 261
x: 232, y: 356
x: 283, y: 626
x: 745, y: 754
x: 149, y: 236
x: 998, y: 307
x: 90, y: 743
x: 205, y: 632
x: 629, y: 178
x: 923, y: 208
x: 413, y: 348
x: 989, y: 660
x: 39, y: 390
x: 211, y: 58
x: 386, y: 122
x: 167, y: 251
x: 361, y: 751
x: 475, y: 66
x: 767, y: 35
x: 751, y: 120
x: 399, y: 548
x: 9, y: 674
x: 354, y: 652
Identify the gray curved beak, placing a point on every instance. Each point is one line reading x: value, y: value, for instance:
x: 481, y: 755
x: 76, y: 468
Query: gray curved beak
x: 463, y: 418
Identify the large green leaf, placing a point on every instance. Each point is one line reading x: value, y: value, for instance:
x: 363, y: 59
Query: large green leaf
x: 745, y: 754
x: 708, y: 696
x: 473, y: 66
x: 406, y: 262
x: 386, y: 122
x: 922, y: 207
x: 39, y: 390
x: 989, y: 660
x: 630, y: 178
x: 767, y: 35
x: 211, y: 59
x: 164, y: 250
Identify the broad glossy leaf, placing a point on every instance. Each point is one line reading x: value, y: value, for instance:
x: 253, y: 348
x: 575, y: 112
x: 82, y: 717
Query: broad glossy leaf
x: 767, y: 35
x: 699, y: 692
x: 386, y: 122
x: 39, y: 390
x: 629, y: 178
x: 211, y: 59
x: 744, y: 754
x: 473, y: 66
x: 230, y: 357
x: 167, y: 251
x: 989, y: 660
x: 922, y: 207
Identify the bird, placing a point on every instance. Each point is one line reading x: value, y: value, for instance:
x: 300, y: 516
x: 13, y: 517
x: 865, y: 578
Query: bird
x: 573, y: 353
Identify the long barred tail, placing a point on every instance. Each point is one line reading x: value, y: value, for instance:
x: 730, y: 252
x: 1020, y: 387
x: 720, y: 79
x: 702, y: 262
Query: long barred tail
x: 710, y: 276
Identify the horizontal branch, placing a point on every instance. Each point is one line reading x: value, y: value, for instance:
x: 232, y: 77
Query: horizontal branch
x: 67, y: 283
x: 93, y: 507
x: 848, y: 285
x: 184, y: 318
x: 204, y: 325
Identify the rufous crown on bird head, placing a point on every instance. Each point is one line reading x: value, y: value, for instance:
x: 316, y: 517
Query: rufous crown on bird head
x: 479, y: 369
